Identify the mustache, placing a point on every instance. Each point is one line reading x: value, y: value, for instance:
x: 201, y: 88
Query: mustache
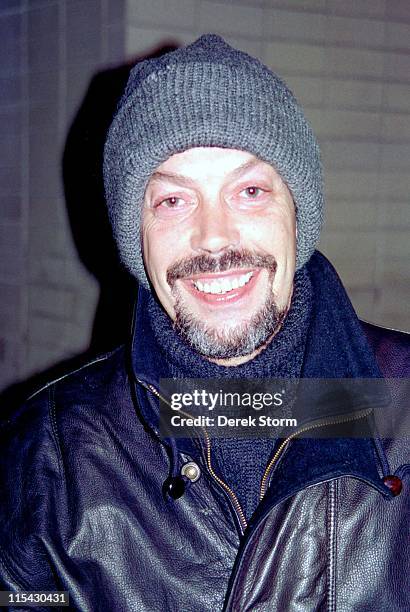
x: 202, y: 264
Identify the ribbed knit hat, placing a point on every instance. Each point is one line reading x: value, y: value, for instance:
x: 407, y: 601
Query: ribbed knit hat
x: 207, y: 94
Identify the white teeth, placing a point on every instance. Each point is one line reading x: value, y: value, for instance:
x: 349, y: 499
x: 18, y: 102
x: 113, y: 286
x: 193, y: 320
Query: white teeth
x: 224, y: 285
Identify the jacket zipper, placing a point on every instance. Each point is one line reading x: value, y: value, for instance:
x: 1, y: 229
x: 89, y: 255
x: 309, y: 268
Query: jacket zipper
x: 235, y: 502
x: 264, y: 483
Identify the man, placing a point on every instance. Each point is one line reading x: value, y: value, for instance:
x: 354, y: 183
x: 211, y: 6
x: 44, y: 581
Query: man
x: 213, y: 186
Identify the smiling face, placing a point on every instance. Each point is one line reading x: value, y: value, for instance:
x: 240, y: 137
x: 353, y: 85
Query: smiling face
x: 219, y: 247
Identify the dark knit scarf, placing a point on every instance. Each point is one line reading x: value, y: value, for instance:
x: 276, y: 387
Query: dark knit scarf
x: 241, y: 462
x: 321, y: 338
x: 282, y: 358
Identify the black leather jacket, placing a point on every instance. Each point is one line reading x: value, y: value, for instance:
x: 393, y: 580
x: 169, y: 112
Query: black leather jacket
x: 83, y: 510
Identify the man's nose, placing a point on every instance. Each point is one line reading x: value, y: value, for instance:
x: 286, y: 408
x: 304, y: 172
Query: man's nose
x: 215, y: 229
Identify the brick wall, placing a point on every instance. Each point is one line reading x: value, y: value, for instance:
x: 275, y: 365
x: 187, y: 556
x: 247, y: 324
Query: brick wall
x: 348, y: 63
x: 49, y: 52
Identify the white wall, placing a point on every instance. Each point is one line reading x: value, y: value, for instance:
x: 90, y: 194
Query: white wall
x: 50, y: 49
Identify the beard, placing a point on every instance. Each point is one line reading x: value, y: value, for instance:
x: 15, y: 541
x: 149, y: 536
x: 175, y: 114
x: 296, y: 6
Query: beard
x: 225, y: 343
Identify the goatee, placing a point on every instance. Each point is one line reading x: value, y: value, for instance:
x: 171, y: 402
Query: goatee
x: 225, y: 343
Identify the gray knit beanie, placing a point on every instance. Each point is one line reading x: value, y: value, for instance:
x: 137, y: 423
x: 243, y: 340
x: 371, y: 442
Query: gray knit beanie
x: 207, y: 94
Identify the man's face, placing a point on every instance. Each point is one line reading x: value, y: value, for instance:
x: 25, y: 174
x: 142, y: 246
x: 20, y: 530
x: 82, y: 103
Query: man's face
x: 219, y: 246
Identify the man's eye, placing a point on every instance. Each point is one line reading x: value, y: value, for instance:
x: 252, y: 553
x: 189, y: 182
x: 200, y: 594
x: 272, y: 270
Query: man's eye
x: 252, y: 192
x: 173, y: 206
x: 171, y: 202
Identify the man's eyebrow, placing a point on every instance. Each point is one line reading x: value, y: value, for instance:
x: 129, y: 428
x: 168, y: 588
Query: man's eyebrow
x: 189, y: 182
x: 177, y: 178
x: 244, y: 167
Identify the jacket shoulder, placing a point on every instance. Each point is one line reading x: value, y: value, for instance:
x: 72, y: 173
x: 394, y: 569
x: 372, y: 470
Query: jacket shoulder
x: 101, y: 371
x: 391, y: 348
x: 72, y: 385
